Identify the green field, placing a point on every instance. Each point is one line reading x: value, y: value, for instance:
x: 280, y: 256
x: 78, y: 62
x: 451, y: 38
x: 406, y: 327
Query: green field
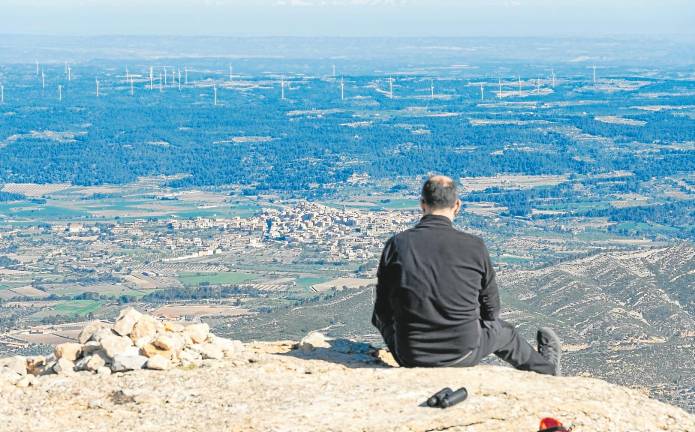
x: 306, y: 282
x: 224, y: 278
x: 77, y: 307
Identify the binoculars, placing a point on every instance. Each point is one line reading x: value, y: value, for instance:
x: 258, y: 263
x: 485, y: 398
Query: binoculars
x: 446, y: 397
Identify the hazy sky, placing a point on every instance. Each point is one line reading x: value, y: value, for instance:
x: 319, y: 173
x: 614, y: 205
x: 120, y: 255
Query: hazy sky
x: 350, y: 17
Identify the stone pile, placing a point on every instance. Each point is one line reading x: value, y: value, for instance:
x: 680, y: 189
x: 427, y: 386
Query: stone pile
x: 134, y: 341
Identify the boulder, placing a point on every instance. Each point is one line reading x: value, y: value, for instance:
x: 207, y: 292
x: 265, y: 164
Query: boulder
x: 26, y: 381
x: 144, y: 328
x: 36, y: 365
x: 230, y: 347
x: 312, y: 341
x: 90, y: 347
x: 158, y: 362
x: 150, y: 350
x: 90, y: 330
x: 64, y: 366
x: 91, y: 363
x: 197, y: 332
x: 173, y: 327
x: 8, y: 376
x: 209, y: 351
x: 190, y: 358
x: 69, y: 351
x: 16, y: 364
x: 114, y: 345
x: 123, y: 363
x: 169, y: 342
x: 126, y: 321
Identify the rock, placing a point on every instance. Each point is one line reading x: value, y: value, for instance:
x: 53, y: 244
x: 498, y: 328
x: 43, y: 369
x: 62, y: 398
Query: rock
x: 209, y: 351
x: 90, y: 330
x: 104, y: 371
x: 123, y: 363
x: 230, y: 347
x: 158, y: 363
x: 26, y: 381
x: 69, y: 351
x: 91, y: 363
x: 126, y: 321
x: 197, y: 332
x: 64, y: 366
x: 169, y: 342
x: 16, y: 364
x: 144, y: 328
x: 173, y: 327
x: 312, y: 341
x: 190, y: 358
x: 95, y: 404
x: 36, y: 365
x: 8, y: 376
x: 114, y: 345
x: 102, y: 333
x: 90, y: 347
x: 150, y: 350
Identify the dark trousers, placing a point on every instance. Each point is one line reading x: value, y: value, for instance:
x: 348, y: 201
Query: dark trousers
x: 502, y: 339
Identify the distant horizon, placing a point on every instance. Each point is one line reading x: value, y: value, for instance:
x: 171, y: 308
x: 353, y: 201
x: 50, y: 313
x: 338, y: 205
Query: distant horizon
x: 346, y: 18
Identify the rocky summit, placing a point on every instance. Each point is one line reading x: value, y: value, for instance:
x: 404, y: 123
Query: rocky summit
x: 141, y: 374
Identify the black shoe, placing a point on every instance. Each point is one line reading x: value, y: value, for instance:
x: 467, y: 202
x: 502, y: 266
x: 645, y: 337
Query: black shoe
x: 550, y: 348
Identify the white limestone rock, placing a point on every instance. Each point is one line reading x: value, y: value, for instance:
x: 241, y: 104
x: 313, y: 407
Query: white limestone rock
x: 312, y: 341
x: 69, y: 351
x: 158, y: 363
x: 126, y: 321
x: 114, y: 345
x: 124, y: 363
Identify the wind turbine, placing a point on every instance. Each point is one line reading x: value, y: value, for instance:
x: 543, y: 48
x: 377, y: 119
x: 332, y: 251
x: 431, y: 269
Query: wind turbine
x: 161, y: 83
x: 538, y: 86
x: 482, y: 92
x: 282, y: 88
x: 214, y: 89
x: 69, y: 73
x: 2, y: 94
x: 499, y: 93
x: 132, y: 87
x: 165, y: 75
x: 342, y: 89
x: 151, y: 78
x: 179, y: 80
x: 391, y: 87
x: 553, y: 76
x: 127, y: 74
x: 432, y: 88
x: 60, y: 92
x: 43, y: 80
x: 519, y: 85
x: 231, y: 73
x: 97, y: 81
x: 594, y: 67
x: 186, y: 73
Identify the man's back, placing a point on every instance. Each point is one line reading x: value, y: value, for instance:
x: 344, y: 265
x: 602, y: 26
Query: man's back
x: 433, y: 281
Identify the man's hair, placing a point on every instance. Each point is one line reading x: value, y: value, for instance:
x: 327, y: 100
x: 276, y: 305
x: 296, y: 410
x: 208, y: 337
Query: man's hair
x: 439, y: 192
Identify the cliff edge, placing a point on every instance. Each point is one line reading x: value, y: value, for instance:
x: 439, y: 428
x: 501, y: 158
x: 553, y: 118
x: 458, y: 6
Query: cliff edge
x: 314, y: 385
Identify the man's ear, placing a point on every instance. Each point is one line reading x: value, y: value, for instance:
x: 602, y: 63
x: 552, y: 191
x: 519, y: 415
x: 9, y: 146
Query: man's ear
x: 457, y: 207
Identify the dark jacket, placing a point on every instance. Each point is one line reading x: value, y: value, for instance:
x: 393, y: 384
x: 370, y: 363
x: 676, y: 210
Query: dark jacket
x: 435, y: 284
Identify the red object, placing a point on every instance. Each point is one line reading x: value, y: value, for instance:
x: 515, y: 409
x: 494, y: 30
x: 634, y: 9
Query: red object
x: 550, y: 424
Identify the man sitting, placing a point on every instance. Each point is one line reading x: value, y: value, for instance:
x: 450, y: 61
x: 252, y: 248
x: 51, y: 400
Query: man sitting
x: 437, y: 302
